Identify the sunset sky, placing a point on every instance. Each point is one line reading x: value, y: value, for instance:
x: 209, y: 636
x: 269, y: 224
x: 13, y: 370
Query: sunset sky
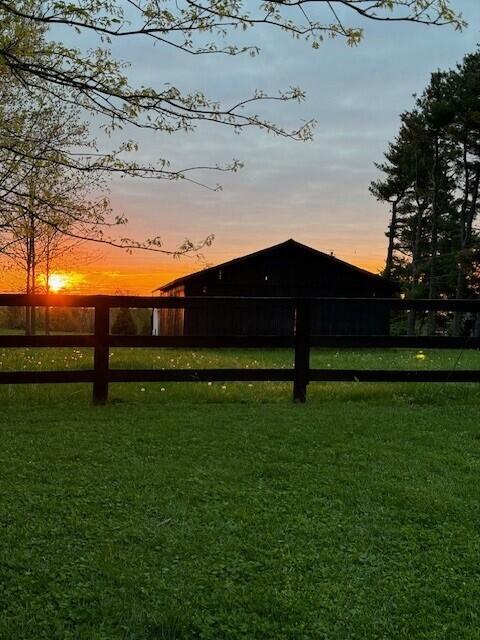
x: 314, y: 192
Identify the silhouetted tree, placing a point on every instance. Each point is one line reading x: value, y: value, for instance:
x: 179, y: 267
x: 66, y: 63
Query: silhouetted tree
x: 435, y: 164
x: 124, y: 324
x: 47, y: 208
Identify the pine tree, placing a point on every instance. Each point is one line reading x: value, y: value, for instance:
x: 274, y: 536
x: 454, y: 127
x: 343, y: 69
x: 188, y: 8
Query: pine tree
x: 431, y: 178
x: 124, y: 323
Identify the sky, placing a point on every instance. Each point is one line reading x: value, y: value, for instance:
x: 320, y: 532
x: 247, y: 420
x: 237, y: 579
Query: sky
x: 315, y: 192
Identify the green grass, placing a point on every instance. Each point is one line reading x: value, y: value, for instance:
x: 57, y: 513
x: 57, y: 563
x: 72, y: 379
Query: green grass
x: 68, y: 359
x: 231, y: 513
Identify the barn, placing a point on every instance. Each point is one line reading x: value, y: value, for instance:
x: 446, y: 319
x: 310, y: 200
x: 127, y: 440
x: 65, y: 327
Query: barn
x: 283, y: 270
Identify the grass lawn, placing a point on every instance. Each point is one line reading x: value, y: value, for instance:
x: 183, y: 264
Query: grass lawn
x: 231, y: 513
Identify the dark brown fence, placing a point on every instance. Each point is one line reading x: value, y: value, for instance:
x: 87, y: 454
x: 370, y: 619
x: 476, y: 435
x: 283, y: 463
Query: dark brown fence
x: 301, y: 340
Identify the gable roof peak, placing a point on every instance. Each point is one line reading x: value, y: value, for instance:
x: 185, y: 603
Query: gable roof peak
x: 286, y: 243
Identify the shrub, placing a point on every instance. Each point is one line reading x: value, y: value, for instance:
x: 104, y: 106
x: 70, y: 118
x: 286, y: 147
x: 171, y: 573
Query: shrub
x: 124, y: 324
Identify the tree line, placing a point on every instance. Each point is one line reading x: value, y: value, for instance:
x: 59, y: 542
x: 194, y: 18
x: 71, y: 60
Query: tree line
x: 430, y: 176
x: 128, y: 322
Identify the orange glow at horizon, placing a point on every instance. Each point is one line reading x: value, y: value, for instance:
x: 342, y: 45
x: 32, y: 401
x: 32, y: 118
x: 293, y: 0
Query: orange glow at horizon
x: 113, y: 279
x: 139, y: 280
x: 61, y: 281
x: 141, y: 276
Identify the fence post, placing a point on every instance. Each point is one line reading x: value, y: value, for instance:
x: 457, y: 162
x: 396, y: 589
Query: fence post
x: 302, y: 350
x: 101, y: 353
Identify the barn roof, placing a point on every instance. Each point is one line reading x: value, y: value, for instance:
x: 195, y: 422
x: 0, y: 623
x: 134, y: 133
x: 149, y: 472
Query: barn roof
x: 346, y: 266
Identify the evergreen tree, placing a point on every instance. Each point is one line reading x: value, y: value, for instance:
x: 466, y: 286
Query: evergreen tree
x: 124, y: 324
x: 431, y: 178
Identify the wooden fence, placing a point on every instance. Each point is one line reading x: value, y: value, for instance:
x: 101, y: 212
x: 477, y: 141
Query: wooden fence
x: 301, y: 341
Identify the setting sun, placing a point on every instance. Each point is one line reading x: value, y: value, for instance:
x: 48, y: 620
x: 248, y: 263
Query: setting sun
x: 57, y: 282
x: 61, y: 281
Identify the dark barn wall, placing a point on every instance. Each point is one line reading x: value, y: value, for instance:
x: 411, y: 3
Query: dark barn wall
x: 239, y: 320
x: 327, y: 319
x: 285, y: 270
x: 350, y: 318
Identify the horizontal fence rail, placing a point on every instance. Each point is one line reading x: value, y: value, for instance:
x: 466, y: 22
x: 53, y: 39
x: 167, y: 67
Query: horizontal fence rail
x: 301, y: 341
x: 174, y: 302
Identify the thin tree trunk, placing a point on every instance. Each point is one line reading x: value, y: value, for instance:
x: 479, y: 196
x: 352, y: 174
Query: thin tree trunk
x: 476, y: 331
x: 460, y: 285
x: 47, y: 320
x: 47, y: 288
x: 33, y: 311
x: 433, y: 285
x: 392, y: 231
x: 28, y: 315
x: 468, y: 217
x: 416, y: 252
x: 459, y: 293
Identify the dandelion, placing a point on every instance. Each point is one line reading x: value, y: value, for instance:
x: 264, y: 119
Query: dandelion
x: 209, y: 384
x: 142, y: 389
x: 420, y: 356
x: 224, y: 386
x: 250, y: 384
x: 162, y: 389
